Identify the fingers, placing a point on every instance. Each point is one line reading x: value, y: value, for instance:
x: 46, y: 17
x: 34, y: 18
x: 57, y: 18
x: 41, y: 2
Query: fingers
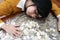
x: 58, y: 27
x: 17, y: 28
x: 15, y: 33
x: 12, y: 30
x: 16, y: 25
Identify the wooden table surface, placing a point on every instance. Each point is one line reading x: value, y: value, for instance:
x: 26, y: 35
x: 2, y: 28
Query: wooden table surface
x: 57, y: 2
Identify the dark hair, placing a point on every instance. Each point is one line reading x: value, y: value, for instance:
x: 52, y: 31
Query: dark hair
x: 43, y: 7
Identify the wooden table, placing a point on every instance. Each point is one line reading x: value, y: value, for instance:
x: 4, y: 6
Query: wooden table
x: 57, y: 2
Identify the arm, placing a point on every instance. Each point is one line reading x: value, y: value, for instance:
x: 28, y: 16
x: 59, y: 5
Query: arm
x: 56, y: 9
x: 1, y: 24
x: 6, y: 9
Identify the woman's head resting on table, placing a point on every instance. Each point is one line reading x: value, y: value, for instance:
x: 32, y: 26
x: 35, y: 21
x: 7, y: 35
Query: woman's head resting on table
x: 40, y: 8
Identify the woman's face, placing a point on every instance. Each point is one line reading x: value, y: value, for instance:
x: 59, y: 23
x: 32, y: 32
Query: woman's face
x: 31, y: 11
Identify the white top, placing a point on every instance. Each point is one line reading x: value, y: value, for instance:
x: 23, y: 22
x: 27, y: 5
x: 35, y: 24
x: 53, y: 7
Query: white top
x: 21, y: 4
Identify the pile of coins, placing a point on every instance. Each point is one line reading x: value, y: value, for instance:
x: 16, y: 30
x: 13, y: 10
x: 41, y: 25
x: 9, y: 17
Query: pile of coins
x: 31, y: 29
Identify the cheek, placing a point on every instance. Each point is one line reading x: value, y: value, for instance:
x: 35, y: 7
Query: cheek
x: 30, y: 11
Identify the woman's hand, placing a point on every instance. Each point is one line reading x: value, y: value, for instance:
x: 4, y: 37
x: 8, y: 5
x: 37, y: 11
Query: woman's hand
x: 58, y: 23
x: 12, y: 30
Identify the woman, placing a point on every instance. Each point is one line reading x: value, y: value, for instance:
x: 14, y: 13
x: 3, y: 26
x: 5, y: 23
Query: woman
x: 34, y: 8
x: 55, y: 10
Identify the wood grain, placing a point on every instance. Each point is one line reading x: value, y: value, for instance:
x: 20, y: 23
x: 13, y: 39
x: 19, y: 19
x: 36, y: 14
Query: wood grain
x: 57, y: 2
